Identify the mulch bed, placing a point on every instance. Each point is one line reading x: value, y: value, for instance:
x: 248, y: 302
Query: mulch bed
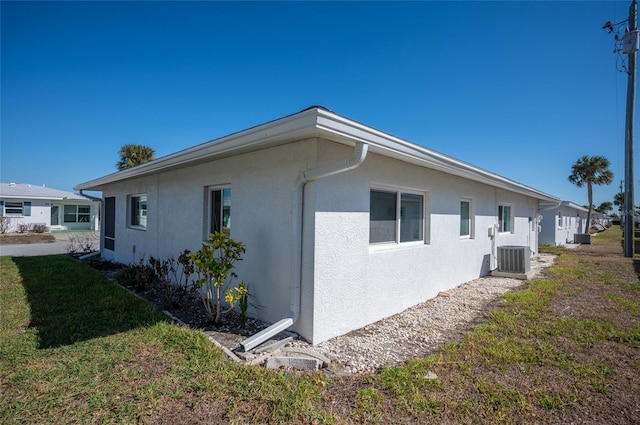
x: 190, y: 311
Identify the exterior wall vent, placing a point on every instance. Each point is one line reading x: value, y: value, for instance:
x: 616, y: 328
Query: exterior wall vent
x: 514, y: 259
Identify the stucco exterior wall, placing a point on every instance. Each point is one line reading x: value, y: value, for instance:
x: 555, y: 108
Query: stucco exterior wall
x: 559, y: 225
x: 356, y: 283
x: 346, y: 282
x: 39, y: 214
x: 263, y: 191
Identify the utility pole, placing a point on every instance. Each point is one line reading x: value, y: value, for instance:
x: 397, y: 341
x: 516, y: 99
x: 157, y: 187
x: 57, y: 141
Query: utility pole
x: 630, y: 46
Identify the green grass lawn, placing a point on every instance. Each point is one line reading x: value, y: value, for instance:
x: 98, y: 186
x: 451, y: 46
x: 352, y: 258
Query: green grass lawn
x: 76, y: 348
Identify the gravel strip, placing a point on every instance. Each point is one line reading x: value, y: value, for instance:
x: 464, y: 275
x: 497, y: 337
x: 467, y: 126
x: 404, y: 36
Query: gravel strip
x: 416, y: 332
x: 420, y: 330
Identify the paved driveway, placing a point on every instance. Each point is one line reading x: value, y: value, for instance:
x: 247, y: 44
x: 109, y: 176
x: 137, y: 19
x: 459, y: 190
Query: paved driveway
x: 33, y: 249
x: 60, y: 246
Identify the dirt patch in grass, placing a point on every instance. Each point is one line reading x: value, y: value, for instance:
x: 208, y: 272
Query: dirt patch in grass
x: 147, y: 366
x: 197, y: 410
x: 583, y: 367
x: 26, y: 238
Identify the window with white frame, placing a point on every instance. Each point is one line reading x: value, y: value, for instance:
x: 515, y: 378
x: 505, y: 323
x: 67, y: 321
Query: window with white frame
x: 138, y: 211
x: 504, y: 218
x: 84, y: 213
x: 219, y: 210
x: 76, y: 213
x: 559, y: 220
x: 395, y: 216
x: 466, y: 219
x: 12, y: 208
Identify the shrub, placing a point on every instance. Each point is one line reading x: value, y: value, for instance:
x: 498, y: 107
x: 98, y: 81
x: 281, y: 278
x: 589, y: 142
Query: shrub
x: 81, y: 244
x: 214, y: 264
x: 144, y: 275
x: 39, y: 228
x: 23, y: 228
x: 5, y: 224
x: 175, y: 276
x: 243, y: 302
x: 127, y: 275
x: 141, y: 275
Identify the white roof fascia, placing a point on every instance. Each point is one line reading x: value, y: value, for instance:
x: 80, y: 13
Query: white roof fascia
x: 397, y: 148
x: 48, y: 198
x: 549, y: 205
x: 570, y: 204
x: 319, y: 122
x: 39, y: 198
x: 293, y: 127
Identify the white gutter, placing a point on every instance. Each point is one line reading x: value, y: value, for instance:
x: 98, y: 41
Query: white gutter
x: 298, y: 126
x: 357, y: 158
x: 574, y: 206
x: 321, y: 123
x: 548, y: 205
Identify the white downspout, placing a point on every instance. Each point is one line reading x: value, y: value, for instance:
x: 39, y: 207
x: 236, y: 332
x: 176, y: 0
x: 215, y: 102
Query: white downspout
x: 357, y: 158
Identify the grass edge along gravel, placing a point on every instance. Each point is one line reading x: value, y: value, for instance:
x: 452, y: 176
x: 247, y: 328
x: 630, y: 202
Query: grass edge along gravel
x: 526, y: 362
x: 499, y: 371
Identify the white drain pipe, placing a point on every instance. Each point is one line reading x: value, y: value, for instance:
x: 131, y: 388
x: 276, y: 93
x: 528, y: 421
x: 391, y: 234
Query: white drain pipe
x: 357, y: 158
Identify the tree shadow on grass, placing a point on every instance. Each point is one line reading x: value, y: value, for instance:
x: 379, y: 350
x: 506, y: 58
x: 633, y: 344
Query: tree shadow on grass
x: 70, y: 302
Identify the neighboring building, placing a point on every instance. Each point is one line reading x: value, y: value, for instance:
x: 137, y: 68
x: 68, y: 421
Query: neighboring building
x: 602, y: 219
x: 560, y: 224
x: 344, y: 224
x: 55, y: 209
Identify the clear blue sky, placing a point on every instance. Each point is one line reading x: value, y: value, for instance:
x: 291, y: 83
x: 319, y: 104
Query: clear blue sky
x: 522, y: 89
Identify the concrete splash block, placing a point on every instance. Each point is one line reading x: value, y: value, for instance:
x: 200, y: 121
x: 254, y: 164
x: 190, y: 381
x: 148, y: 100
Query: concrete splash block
x: 304, y: 352
x: 293, y: 362
x: 522, y: 276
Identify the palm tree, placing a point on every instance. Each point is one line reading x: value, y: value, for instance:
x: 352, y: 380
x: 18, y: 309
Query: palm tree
x: 132, y: 155
x: 604, y: 207
x: 618, y: 200
x: 591, y: 170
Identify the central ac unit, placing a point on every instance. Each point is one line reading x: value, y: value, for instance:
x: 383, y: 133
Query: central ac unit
x: 582, y: 238
x: 514, y: 259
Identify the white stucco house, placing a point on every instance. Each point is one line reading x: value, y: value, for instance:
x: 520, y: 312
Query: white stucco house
x: 559, y: 225
x: 601, y: 219
x: 344, y: 224
x: 28, y: 204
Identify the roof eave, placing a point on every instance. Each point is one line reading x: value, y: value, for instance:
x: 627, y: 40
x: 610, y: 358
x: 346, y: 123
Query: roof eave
x: 574, y: 206
x: 341, y: 128
x: 318, y: 122
x: 40, y: 198
x: 283, y: 130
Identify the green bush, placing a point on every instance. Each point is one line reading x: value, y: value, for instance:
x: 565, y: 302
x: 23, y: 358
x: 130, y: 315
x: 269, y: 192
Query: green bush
x: 214, y: 264
x: 175, y: 276
x: 141, y: 275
